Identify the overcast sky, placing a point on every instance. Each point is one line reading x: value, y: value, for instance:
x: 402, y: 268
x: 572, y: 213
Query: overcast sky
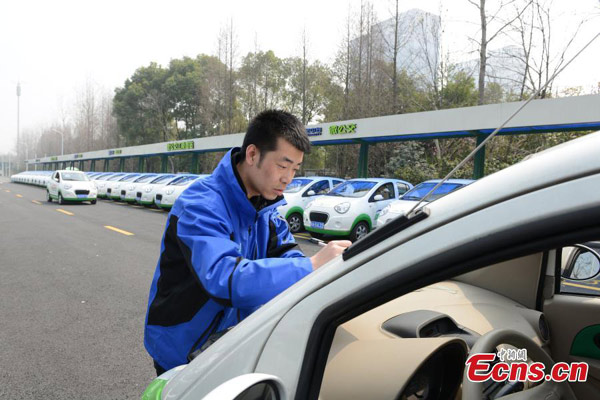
x: 53, y: 46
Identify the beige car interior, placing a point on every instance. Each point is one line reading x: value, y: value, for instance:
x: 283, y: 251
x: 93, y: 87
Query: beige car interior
x: 406, y: 347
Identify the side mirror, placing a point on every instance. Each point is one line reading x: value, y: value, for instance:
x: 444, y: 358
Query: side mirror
x: 581, y: 263
x: 253, y: 386
x: 310, y: 193
x: 378, y: 197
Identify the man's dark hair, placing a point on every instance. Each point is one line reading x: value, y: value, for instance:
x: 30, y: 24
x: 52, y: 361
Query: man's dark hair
x: 269, y: 125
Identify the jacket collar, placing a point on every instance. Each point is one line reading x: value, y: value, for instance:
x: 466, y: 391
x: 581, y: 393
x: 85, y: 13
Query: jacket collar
x: 228, y: 178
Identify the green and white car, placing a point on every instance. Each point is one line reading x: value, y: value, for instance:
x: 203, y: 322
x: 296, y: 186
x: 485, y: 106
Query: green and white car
x: 351, y: 208
x: 299, y: 193
x: 67, y: 185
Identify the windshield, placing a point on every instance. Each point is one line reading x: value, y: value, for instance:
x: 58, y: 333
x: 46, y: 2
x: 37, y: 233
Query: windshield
x: 74, y: 176
x: 145, y: 179
x: 184, y: 181
x: 422, y: 189
x: 352, y: 189
x: 163, y: 179
x: 129, y: 178
x: 296, y: 184
x: 115, y: 177
x: 101, y: 177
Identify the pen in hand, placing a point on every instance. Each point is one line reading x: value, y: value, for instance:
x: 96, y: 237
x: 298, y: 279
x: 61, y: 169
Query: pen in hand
x: 317, y: 241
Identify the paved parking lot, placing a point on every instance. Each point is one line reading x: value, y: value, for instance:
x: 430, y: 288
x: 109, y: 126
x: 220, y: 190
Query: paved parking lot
x: 74, y: 282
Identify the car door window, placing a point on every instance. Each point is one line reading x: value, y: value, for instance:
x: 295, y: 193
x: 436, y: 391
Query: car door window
x: 580, y: 266
x: 320, y: 187
x: 387, y: 191
x: 402, y: 188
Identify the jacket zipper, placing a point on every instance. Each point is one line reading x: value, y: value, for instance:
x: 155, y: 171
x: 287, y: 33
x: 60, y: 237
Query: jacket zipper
x: 209, y: 331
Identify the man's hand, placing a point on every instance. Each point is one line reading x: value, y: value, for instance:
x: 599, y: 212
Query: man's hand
x: 331, y: 250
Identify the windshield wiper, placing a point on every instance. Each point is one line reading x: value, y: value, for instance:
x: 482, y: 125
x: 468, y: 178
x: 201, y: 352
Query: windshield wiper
x: 389, y: 229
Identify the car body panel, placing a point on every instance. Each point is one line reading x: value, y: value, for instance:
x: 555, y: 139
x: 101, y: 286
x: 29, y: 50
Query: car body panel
x: 528, y: 197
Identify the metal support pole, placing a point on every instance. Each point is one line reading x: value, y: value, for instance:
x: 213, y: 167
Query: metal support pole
x: 141, y: 164
x: 122, y: 164
x: 363, y: 160
x: 93, y: 165
x: 106, y: 164
x: 163, y: 163
x: 81, y: 165
x: 479, y: 159
x: 194, y: 163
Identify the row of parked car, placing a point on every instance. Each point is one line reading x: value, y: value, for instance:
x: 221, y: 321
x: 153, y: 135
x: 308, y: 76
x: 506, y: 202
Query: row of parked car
x: 353, y: 208
x: 320, y: 205
x: 148, y: 189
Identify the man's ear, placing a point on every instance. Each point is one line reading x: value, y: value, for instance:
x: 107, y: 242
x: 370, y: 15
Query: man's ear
x: 252, y: 155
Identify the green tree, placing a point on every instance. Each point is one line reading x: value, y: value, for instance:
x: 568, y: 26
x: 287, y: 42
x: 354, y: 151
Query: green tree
x: 143, y: 108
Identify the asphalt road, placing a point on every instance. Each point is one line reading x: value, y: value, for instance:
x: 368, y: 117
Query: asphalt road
x: 73, y: 295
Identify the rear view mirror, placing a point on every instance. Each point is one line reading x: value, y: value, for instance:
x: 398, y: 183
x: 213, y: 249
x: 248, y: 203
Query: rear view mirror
x: 311, y: 193
x: 581, y: 263
x: 378, y: 197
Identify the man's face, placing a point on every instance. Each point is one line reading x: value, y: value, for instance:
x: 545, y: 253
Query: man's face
x: 270, y: 176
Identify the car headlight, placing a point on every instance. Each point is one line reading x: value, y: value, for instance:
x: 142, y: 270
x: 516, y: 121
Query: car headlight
x: 131, y: 187
x: 148, y: 190
x: 309, y: 205
x: 67, y: 186
x: 385, y: 210
x: 342, y: 208
x: 102, y: 185
x: 169, y: 191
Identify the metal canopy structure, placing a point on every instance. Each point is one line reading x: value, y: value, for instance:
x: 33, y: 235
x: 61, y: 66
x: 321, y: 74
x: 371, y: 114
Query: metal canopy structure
x: 579, y: 113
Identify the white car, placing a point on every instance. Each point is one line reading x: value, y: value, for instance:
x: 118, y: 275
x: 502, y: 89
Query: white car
x: 129, y: 191
x: 398, y: 315
x: 113, y: 188
x: 145, y: 194
x: 299, y: 193
x: 351, y: 208
x: 104, y: 180
x: 67, y: 185
x: 165, y: 197
x: 416, y: 194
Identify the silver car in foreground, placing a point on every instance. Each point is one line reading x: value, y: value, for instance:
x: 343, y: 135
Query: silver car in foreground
x: 398, y: 314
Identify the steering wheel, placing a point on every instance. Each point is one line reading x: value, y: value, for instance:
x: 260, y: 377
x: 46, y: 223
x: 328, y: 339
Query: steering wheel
x: 488, y: 343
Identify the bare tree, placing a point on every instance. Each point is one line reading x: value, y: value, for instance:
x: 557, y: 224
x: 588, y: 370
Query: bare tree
x: 486, y: 21
x: 227, y: 53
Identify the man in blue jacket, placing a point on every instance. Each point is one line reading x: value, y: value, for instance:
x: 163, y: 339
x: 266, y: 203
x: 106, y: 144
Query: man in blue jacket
x: 225, y: 250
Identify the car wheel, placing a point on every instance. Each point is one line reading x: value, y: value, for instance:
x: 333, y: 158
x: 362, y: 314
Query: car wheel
x: 60, y: 199
x: 360, y: 230
x: 93, y: 201
x: 48, y: 197
x: 295, y: 223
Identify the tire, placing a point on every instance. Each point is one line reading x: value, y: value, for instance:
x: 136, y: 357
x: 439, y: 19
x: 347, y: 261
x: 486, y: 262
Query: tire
x: 60, y: 199
x: 93, y: 201
x: 316, y: 235
x: 48, y: 198
x: 295, y: 223
x: 360, y: 230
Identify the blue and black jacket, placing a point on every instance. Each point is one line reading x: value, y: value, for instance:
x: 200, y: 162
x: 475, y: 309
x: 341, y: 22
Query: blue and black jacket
x: 222, y: 256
